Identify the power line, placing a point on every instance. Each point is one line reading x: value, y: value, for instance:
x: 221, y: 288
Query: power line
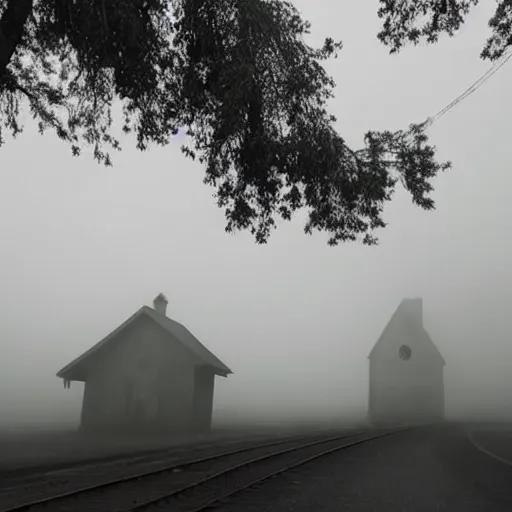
x: 472, y: 88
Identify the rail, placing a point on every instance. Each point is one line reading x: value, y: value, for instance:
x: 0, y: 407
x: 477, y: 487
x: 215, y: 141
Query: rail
x: 202, y: 482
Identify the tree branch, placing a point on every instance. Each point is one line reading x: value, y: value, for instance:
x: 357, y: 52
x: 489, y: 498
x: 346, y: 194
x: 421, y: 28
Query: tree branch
x: 9, y: 83
x: 11, y: 29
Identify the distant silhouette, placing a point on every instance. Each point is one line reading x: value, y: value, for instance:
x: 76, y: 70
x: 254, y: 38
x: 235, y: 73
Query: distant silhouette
x: 406, y: 371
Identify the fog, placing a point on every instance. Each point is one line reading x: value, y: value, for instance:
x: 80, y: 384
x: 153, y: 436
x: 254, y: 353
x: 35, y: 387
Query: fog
x: 83, y: 247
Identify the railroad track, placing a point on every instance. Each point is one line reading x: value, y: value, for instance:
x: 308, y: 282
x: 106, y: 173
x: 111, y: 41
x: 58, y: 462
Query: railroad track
x: 196, y: 485
x: 70, y: 479
x: 120, y: 465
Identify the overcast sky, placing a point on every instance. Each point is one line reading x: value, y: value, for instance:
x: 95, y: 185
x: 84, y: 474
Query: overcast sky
x: 83, y: 247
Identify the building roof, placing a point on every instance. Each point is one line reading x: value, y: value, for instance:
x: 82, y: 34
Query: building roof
x: 177, y: 330
x: 406, y: 309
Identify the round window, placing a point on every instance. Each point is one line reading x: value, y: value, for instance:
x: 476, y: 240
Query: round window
x: 405, y: 352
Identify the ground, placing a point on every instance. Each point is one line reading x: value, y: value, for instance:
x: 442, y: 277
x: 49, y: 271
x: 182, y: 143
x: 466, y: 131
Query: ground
x: 452, y: 467
x: 495, y: 441
x: 23, y: 450
x: 434, y: 468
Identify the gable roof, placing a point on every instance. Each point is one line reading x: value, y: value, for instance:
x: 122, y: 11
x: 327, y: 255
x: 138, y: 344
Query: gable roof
x: 179, y: 331
x: 405, y: 309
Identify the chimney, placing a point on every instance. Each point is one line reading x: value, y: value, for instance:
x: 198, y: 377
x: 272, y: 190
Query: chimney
x: 160, y: 304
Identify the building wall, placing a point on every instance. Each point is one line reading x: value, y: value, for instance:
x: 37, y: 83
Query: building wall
x: 405, y: 391
x: 401, y: 396
x: 203, y: 398
x: 176, y: 385
x: 143, y: 380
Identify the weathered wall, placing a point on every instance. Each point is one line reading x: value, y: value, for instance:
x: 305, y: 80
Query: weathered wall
x: 410, y: 391
x: 397, y: 395
x: 176, y: 385
x: 143, y: 380
x: 203, y: 398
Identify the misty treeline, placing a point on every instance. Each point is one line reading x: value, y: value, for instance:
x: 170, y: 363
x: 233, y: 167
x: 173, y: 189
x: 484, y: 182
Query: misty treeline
x: 238, y: 76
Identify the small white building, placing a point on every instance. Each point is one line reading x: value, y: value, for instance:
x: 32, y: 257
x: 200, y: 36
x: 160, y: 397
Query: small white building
x: 406, y: 371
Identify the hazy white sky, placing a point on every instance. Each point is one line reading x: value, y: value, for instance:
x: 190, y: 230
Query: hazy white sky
x: 83, y: 247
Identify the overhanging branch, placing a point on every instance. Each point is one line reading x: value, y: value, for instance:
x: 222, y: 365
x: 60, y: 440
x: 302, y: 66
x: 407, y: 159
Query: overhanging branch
x: 12, y: 24
x: 9, y: 83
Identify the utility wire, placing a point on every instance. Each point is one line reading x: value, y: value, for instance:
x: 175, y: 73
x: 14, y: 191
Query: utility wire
x: 472, y: 88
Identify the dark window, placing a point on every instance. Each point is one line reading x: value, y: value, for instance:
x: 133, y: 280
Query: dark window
x: 405, y: 352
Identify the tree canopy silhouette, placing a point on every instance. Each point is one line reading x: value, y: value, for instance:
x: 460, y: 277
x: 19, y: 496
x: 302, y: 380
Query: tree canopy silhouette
x: 414, y: 21
x: 238, y: 75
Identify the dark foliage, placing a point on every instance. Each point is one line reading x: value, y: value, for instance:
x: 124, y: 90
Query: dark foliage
x: 238, y: 75
x: 413, y: 21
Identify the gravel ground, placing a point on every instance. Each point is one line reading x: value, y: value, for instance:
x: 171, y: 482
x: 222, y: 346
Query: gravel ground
x: 427, y: 469
x: 156, y: 486
x: 497, y: 440
x: 26, y: 453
